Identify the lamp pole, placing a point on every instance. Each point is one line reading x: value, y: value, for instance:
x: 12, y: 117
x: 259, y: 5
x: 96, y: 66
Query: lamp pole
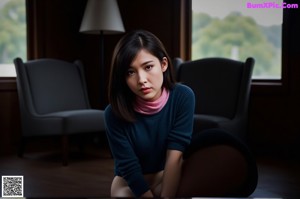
x: 102, y: 16
x: 102, y: 66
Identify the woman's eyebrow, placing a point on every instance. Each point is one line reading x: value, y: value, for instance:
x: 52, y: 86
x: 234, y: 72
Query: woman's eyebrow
x: 143, y: 64
x: 147, y: 62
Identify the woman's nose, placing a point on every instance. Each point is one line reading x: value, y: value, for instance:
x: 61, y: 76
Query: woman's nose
x: 142, y: 77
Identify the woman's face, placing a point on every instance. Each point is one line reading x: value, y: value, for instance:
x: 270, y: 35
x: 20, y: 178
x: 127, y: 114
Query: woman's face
x: 145, y: 75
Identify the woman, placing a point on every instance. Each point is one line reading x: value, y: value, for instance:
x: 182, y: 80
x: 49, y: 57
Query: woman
x: 149, y: 120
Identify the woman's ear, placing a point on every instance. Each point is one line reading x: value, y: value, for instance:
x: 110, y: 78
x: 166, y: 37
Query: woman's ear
x: 164, y: 64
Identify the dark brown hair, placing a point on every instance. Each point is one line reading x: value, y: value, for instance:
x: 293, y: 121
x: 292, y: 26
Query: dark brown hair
x: 120, y: 96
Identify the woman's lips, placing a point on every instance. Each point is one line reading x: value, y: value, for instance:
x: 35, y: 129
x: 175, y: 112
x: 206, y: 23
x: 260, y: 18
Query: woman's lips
x: 146, y: 90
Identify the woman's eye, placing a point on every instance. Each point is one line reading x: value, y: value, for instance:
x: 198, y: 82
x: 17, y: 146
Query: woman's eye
x: 130, y: 72
x: 148, y: 67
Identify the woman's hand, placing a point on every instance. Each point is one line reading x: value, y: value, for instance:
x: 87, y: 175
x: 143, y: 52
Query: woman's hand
x: 148, y: 194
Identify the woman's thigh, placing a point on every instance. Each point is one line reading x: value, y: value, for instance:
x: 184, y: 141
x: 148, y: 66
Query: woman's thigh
x: 120, y: 188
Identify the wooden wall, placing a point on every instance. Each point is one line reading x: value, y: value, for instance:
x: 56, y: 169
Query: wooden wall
x: 273, y: 122
x: 274, y: 110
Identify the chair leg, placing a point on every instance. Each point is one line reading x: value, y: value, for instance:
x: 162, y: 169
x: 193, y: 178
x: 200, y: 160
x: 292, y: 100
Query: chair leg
x: 65, y: 150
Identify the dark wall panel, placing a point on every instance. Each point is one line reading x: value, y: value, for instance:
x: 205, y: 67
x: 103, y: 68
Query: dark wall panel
x: 273, y: 122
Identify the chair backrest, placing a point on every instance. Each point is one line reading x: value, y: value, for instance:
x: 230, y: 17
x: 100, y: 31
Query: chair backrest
x: 221, y: 85
x: 177, y: 61
x: 50, y: 85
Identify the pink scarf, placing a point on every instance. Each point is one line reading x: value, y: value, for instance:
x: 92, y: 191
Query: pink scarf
x: 151, y: 107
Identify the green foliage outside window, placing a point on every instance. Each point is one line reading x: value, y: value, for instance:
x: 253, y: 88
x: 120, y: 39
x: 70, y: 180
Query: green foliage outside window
x: 12, y: 30
x: 237, y: 36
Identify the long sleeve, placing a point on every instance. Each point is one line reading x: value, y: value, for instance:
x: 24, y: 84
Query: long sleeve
x: 126, y: 161
x: 181, y: 132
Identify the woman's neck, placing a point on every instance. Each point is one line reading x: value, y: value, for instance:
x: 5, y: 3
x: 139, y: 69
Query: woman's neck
x: 151, y: 107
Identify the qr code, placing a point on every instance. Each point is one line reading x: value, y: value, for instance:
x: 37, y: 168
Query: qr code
x: 12, y: 186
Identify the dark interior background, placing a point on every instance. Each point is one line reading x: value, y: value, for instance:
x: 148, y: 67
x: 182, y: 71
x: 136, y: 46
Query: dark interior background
x: 54, y: 33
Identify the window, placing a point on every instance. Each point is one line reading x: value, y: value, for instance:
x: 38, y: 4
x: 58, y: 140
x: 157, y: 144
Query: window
x: 239, y: 29
x: 12, y: 35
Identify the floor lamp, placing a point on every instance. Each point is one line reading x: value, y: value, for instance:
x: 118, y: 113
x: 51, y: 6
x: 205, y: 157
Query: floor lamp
x: 102, y: 17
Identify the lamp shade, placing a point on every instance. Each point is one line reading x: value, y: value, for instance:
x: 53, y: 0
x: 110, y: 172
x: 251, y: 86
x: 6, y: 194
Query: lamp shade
x: 102, y: 16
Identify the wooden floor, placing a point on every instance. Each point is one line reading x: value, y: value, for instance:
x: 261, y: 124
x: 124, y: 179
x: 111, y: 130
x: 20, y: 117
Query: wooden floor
x: 87, y: 176
x: 90, y: 176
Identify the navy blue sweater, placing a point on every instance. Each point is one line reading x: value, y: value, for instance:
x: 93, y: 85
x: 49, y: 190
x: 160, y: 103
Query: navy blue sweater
x: 140, y: 147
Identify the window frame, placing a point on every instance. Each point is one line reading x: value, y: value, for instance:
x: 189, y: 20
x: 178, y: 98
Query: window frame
x: 259, y: 86
x: 8, y: 84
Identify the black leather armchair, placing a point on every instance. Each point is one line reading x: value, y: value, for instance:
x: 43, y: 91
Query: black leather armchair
x: 222, y: 89
x: 54, y: 101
